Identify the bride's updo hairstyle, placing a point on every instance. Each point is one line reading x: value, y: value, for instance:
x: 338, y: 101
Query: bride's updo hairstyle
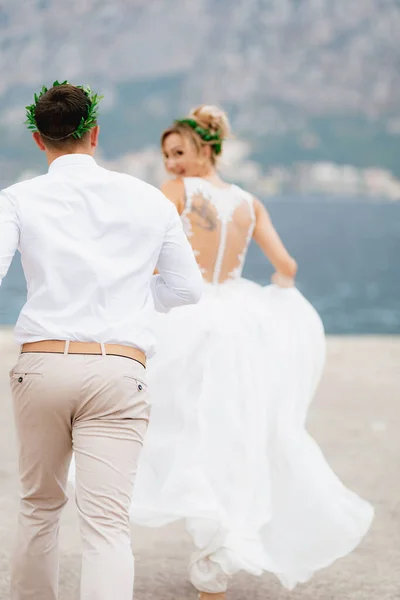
x: 206, y: 125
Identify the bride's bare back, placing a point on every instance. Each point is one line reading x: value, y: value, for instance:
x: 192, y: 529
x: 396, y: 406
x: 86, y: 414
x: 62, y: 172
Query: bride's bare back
x: 219, y: 223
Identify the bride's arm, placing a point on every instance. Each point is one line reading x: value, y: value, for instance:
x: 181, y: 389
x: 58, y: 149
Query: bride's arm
x: 174, y: 190
x: 266, y: 236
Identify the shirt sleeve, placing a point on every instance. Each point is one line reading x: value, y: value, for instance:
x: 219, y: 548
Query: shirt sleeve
x: 179, y: 281
x: 9, y: 233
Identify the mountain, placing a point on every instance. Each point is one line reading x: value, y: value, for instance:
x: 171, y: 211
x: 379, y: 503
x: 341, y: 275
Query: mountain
x: 303, y: 80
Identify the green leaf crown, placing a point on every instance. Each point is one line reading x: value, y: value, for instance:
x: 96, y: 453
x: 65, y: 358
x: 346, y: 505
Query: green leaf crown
x: 206, y: 134
x: 86, y: 123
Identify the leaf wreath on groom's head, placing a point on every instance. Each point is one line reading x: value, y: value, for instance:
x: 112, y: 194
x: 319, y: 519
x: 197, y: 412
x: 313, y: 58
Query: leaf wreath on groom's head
x: 85, y: 125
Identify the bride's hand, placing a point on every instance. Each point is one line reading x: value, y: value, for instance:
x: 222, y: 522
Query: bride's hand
x: 282, y: 280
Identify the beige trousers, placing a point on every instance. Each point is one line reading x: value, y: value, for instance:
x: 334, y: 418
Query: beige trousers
x: 98, y: 407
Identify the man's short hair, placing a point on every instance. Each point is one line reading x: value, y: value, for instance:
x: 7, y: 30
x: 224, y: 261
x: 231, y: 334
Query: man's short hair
x: 58, y: 114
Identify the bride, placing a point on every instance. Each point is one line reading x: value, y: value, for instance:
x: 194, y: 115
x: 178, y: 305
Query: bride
x: 227, y: 449
x: 232, y: 381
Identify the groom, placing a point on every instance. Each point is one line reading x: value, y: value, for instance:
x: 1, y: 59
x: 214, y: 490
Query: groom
x: 90, y: 240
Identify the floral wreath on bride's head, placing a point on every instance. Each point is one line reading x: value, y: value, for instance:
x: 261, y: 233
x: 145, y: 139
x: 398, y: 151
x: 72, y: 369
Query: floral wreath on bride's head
x: 86, y: 124
x: 206, y: 134
x: 205, y: 125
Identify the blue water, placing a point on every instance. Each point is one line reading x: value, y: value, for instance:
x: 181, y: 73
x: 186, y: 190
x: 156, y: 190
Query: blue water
x: 348, y: 256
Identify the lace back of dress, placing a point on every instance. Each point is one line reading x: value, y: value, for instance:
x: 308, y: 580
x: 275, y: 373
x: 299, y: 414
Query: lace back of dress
x: 219, y: 223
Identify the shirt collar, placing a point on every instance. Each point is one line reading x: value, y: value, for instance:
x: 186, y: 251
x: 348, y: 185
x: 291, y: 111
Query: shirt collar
x: 76, y: 160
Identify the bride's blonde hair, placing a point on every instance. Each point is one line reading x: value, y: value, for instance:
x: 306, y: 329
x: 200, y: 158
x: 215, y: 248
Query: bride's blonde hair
x: 206, y: 125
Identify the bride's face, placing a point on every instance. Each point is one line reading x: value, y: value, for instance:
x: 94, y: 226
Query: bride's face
x: 183, y: 159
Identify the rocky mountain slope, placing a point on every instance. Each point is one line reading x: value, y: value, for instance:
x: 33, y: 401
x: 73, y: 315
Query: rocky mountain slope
x: 302, y: 79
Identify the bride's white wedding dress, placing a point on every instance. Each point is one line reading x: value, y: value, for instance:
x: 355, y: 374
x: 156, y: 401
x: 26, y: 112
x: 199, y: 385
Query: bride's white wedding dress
x: 227, y: 448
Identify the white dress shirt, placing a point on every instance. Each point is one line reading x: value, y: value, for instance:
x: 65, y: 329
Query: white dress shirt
x: 90, y: 240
